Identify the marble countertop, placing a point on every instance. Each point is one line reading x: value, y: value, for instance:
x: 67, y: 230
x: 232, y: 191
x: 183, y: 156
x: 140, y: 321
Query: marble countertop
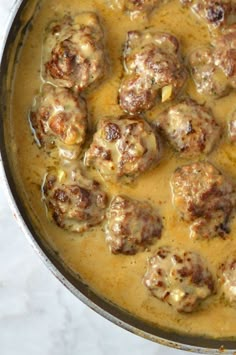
x: 39, y: 316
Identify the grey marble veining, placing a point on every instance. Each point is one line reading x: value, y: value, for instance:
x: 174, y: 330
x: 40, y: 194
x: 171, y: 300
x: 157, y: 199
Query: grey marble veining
x: 39, y: 316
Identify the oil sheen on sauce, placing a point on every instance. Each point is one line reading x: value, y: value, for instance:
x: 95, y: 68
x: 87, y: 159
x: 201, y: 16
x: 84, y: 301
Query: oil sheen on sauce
x: 118, y: 278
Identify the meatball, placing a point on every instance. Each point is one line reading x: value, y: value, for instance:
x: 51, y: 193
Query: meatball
x: 153, y: 68
x: 74, y: 52
x: 227, y: 278
x: 204, y: 196
x: 123, y: 147
x: 216, y: 13
x: 132, y: 225
x: 208, y: 77
x: 225, y: 53
x: 73, y: 201
x: 136, y: 7
x: 214, y: 68
x: 136, y: 94
x: 190, y: 128
x: 178, y: 277
x: 59, y: 118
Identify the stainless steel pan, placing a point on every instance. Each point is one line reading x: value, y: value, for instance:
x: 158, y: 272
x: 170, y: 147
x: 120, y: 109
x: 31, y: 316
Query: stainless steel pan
x: 21, y: 18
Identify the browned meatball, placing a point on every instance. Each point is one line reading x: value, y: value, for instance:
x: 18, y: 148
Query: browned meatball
x: 136, y: 7
x: 153, y: 68
x: 214, y: 68
x: 180, y: 278
x: 190, y: 128
x: 132, y: 225
x: 74, y: 51
x: 225, y: 53
x: 227, y: 278
x: 123, y: 147
x: 74, y: 202
x: 208, y: 77
x: 59, y: 119
x: 204, y: 196
x: 216, y: 13
x: 136, y: 94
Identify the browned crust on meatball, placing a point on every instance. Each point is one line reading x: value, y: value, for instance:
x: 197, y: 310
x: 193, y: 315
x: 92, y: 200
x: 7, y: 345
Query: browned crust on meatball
x: 178, y: 277
x: 73, y: 53
x: 216, y: 13
x: 123, y: 148
x: 131, y: 225
x: 136, y: 94
x: 214, y: 68
x: 58, y: 118
x: 208, y: 77
x: 225, y: 53
x: 74, y: 202
x: 205, y: 197
x: 152, y: 62
x: 190, y: 128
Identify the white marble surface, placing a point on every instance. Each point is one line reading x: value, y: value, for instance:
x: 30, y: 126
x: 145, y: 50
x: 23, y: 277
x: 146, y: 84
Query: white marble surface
x: 38, y: 316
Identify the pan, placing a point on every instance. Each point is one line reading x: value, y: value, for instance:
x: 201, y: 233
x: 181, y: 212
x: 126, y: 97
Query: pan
x: 21, y: 19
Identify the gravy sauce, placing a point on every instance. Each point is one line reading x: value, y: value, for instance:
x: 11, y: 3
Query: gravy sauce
x: 118, y: 278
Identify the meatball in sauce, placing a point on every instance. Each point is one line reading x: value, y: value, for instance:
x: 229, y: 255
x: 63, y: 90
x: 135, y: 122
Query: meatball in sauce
x: 227, y: 278
x: 74, y: 54
x: 190, y: 128
x: 58, y: 119
x: 178, y: 277
x: 123, y: 147
x: 205, y: 198
x: 131, y: 225
x: 215, y: 13
x: 213, y: 67
x: 209, y: 79
x: 153, y: 68
x: 73, y: 201
x: 225, y: 53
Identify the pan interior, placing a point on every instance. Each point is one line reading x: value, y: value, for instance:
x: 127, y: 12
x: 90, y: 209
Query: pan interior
x: 104, y: 287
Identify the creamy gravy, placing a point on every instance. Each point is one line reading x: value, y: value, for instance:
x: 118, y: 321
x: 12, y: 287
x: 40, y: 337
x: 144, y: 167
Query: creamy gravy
x: 118, y: 277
